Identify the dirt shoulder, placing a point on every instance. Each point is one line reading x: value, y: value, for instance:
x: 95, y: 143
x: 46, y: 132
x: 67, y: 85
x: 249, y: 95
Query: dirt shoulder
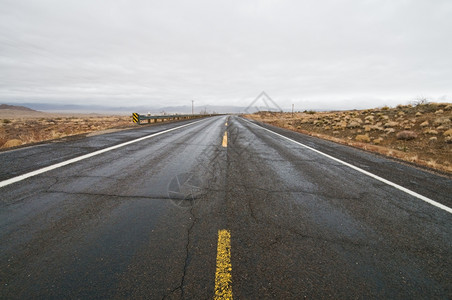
x: 19, y: 128
x: 419, y: 134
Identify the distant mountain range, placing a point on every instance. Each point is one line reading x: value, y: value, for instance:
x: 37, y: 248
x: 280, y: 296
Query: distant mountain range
x: 15, y: 107
x: 50, y: 107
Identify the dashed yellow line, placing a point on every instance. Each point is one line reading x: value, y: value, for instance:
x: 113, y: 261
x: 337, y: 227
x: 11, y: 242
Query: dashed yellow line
x: 225, y: 139
x: 223, y: 274
x: 226, y: 124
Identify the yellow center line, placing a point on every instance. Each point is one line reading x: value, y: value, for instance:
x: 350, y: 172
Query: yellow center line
x: 223, y: 276
x: 226, y: 124
x: 225, y: 139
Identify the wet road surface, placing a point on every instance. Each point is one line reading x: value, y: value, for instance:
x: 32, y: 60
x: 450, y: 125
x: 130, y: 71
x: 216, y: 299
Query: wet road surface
x: 143, y: 220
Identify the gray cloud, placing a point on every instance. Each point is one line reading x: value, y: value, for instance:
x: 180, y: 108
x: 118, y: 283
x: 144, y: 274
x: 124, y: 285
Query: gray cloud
x: 332, y: 54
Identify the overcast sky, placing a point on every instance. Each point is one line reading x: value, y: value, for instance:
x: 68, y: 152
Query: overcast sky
x: 316, y: 54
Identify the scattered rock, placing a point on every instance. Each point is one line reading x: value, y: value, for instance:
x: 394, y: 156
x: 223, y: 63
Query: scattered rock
x: 406, y: 135
x: 429, y: 127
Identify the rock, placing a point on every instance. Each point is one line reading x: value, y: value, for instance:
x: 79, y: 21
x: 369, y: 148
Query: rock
x: 448, y: 139
x: 418, y: 114
x: 406, y: 135
x: 12, y: 143
x: 439, y: 112
x: 424, y: 124
x: 433, y: 139
x: 362, y: 138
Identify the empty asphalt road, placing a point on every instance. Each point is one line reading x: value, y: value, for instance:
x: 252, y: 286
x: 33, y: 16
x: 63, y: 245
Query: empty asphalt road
x: 219, y: 207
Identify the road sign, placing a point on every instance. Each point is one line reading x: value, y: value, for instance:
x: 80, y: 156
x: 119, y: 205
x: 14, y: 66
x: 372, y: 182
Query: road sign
x: 136, y: 118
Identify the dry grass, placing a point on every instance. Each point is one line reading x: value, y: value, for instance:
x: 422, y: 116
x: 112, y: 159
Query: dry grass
x: 28, y: 128
x: 419, y: 134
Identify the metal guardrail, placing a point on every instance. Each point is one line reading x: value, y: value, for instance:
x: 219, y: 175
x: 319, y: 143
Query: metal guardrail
x: 139, y: 119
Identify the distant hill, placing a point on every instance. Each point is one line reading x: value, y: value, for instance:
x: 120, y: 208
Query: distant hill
x: 82, y: 108
x: 15, y: 107
x: 142, y: 109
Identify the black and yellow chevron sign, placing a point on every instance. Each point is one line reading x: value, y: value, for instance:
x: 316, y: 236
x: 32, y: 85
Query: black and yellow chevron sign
x: 136, y: 117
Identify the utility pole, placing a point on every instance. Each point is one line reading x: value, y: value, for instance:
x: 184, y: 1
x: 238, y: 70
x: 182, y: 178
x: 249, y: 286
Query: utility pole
x: 192, y: 107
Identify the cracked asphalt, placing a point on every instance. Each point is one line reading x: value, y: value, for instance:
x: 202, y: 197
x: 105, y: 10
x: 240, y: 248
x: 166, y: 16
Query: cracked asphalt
x: 142, y: 221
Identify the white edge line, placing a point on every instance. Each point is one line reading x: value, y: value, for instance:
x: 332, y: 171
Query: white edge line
x: 79, y: 158
x: 399, y: 187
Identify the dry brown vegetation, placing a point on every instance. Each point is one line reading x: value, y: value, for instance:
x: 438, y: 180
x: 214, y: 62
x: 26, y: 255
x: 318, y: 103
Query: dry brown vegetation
x: 420, y: 134
x: 20, y: 128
